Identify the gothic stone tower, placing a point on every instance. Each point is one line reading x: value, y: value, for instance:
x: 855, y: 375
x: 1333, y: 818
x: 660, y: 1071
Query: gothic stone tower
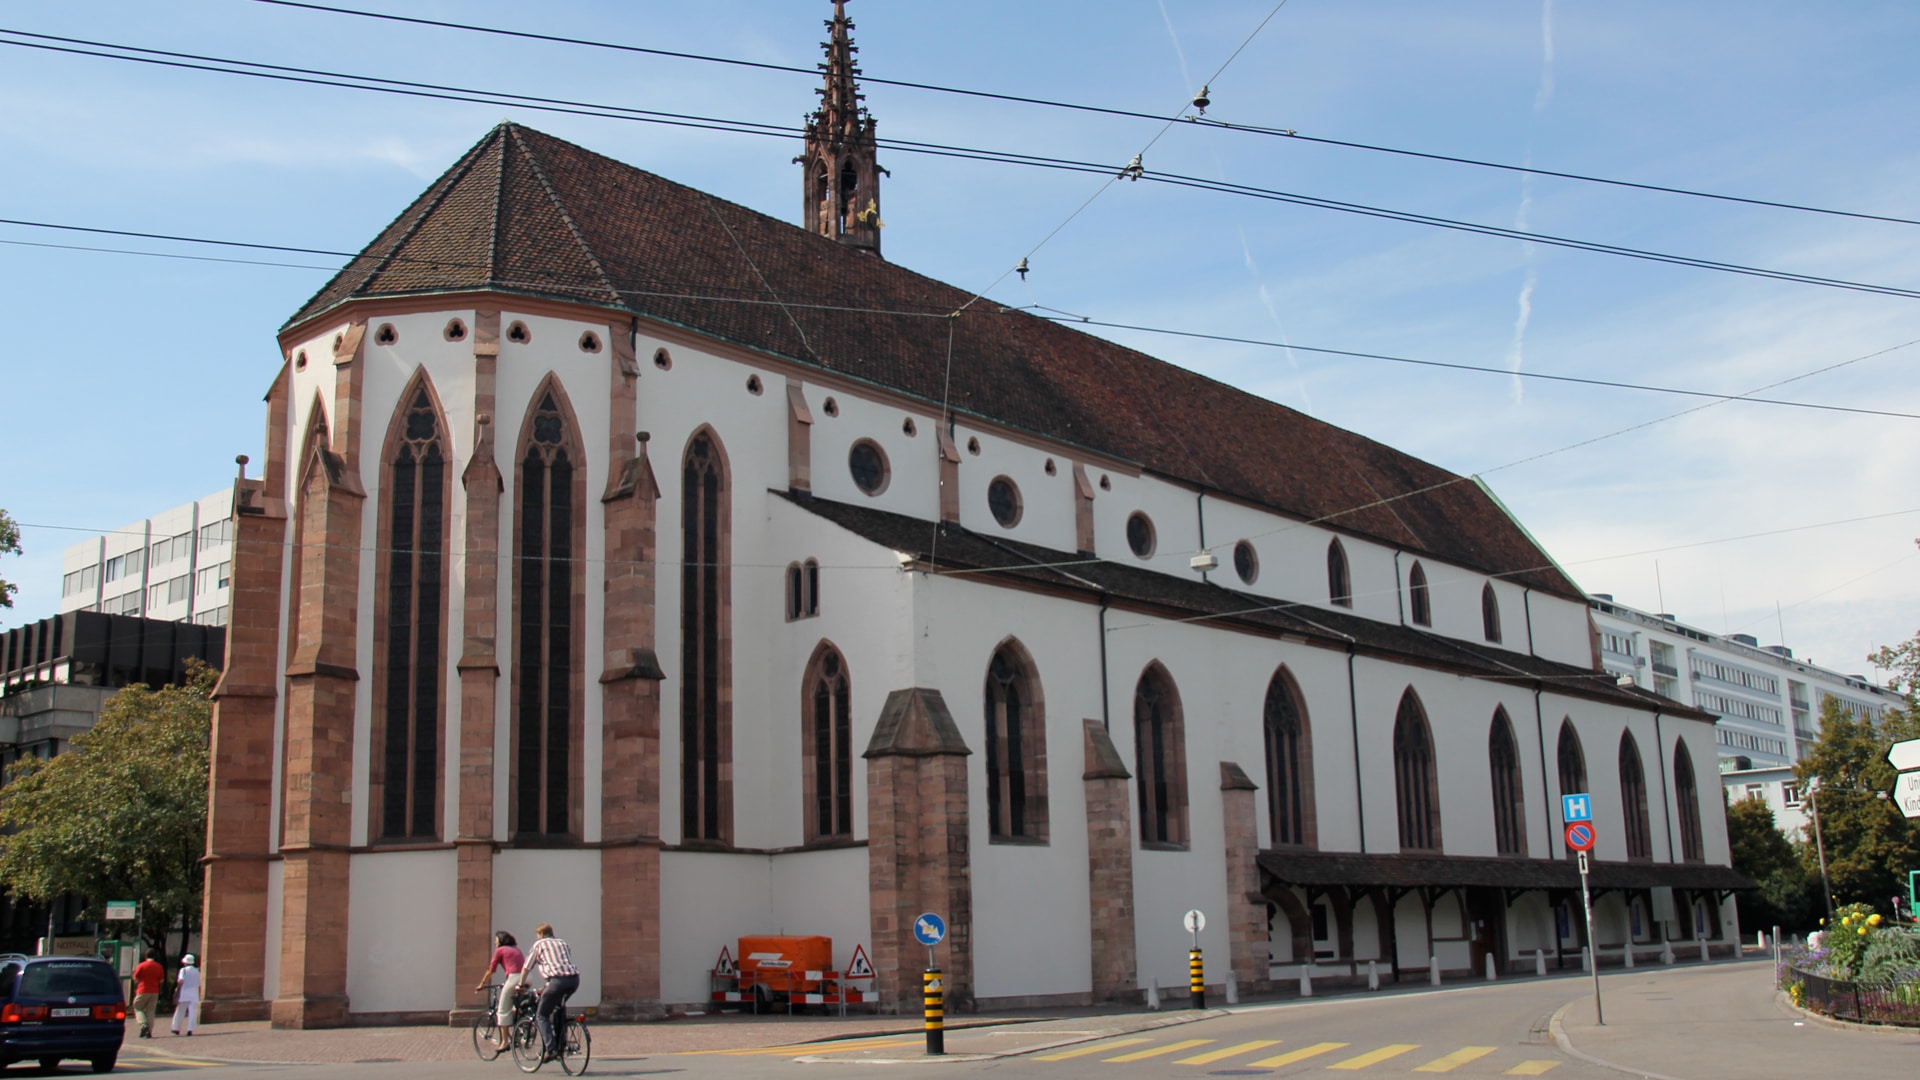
x: 840, y: 177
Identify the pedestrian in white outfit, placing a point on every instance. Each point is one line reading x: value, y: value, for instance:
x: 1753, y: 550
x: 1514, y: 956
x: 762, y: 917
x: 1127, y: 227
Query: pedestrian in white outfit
x: 186, y: 1013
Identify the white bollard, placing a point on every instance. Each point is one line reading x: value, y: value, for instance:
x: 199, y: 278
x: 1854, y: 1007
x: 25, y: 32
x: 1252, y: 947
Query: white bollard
x: 1666, y: 953
x: 1233, y: 989
x: 1433, y: 970
x: 1306, y: 980
x: 1490, y: 968
x: 1760, y: 940
x: 1373, y: 975
x: 1586, y: 959
x: 1704, y: 957
x: 1629, y: 954
x: 1539, y: 962
x: 1153, y: 994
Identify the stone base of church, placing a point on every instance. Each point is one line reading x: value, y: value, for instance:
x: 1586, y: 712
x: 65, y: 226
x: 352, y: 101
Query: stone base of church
x: 310, y: 1012
x: 234, y: 1010
x: 629, y: 1011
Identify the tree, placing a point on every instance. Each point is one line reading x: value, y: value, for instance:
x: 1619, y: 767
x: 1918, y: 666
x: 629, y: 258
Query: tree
x: 1787, y: 897
x: 1870, y: 846
x: 122, y: 815
x: 9, y: 545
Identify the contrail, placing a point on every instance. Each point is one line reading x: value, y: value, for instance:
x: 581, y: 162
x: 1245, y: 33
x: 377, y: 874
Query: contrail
x: 1545, y: 94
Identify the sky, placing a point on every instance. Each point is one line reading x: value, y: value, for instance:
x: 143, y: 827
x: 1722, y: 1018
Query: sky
x: 128, y: 382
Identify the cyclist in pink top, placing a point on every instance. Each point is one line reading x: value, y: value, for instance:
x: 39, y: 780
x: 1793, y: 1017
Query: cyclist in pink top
x: 509, y: 959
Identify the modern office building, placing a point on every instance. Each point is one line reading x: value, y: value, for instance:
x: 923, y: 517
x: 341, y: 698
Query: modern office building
x: 174, y: 566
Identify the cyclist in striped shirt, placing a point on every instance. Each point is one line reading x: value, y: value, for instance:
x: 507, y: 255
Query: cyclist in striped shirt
x: 554, y: 961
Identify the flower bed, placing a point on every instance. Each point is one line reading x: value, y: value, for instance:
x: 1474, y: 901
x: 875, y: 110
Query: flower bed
x: 1863, y: 970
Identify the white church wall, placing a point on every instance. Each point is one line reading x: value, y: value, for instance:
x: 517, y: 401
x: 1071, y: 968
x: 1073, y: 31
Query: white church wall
x: 1562, y: 629
x: 1410, y: 931
x: 1170, y: 508
x: 709, y: 900
x: 399, y: 940
x: 822, y: 892
x: 1374, y: 577
x: 1047, y: 502
x: 533, y: 886
x: 913, y: 461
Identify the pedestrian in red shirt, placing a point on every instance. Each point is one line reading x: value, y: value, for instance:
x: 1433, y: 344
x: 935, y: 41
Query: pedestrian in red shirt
x: 148, y: 977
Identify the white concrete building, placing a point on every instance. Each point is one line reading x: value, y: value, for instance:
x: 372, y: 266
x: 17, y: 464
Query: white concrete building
x: 175, y: 565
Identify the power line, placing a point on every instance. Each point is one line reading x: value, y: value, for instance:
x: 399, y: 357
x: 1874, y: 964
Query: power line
x: 405, y: 88
x: 1022, y: 99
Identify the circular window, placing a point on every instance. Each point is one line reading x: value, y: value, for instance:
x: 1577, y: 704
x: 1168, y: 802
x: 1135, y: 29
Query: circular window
x: 1003, y: 498
x: 1106, y: 483
x: 456, y: 330
x: 753, y: 385
x: 906, y: 426
x: 661, y: 360
x: 832, y: 407
x: 973, y: 447
x: 519, y: 334
x: 1140, y: 534
x: 300, y: 360
x: 589, y: 342
x: 868, y: 464
x: 1051, y: 468
x: 386, y: 335
x: 1246, y: 562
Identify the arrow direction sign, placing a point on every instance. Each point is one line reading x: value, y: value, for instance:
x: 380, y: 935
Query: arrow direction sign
x: 1906, y: 792
x: 1904, y: 755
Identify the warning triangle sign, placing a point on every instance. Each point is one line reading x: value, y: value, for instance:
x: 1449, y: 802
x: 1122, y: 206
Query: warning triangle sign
x: 860, y: 967
x: 724, y: 965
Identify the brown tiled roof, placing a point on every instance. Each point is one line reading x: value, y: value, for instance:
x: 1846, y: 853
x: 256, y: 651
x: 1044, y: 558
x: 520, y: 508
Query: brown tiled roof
x: 526, y: 213
x: 1452, y: 871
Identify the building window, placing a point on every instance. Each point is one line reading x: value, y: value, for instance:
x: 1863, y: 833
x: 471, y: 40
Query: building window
x: 868, y: 464
x: 406, y: 792
x: 177, y: 589
x: 1140, y: 536
x: 1160, y: 759
x: 1686, y: 793
x: 1003, y: 498
x: 1246, y: 562
x: 1790, y: 794
x: 214, y: 534
x: 1633, y: 800
x: 829, y: 746
x: 1509, y: 807
x: 706, y: 736
x: 803, y: 589
x: 1415, y: 787
x: 1289, y: 743
x: 1573, y: 761
x: 550, y: 546
x: 1489, y: 612
x: 1417, y: 596
x: 1339, y: 581
x: 1016, y: 748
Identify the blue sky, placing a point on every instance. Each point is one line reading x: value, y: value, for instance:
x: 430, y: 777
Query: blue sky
x: 130, y: 382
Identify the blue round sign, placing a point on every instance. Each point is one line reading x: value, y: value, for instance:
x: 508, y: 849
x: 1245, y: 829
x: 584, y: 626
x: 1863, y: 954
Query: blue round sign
x: 929, y: 929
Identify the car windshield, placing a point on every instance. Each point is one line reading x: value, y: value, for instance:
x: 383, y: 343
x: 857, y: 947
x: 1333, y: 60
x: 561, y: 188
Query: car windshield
x: 58, y: 979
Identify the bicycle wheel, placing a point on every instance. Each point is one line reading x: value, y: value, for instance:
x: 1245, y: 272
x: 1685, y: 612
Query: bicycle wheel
x: 526, y: 1044
x: 577, y: 1049
x: 489, y: 1038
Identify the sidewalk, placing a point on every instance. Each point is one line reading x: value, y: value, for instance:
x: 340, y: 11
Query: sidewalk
x: 1723, y: 1019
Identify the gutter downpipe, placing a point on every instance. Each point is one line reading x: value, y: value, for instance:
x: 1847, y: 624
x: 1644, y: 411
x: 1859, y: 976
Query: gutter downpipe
x: 1359, y: 803
x: 1200, y: 512
x: 1106, y: 719
x: 1399, y: 588
x: 1539, y: 726
x: 1666, y: 807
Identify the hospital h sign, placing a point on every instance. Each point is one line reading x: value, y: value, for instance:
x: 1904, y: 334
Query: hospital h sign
x: 1576, y: 808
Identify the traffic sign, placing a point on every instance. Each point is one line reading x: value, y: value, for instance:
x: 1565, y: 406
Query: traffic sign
x: 122, y: 910
x: 1576, y: 808
x: 1580, y: 836
x: 1904, y: 755
x: 1194, y: 921
x: 929, y: 929
x: 1906, y: 793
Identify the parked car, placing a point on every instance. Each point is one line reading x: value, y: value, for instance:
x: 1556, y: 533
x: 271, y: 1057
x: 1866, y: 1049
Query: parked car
x: 58, y: 1007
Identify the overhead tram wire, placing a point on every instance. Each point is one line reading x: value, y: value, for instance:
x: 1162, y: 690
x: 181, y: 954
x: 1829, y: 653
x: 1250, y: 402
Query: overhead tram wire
x: 282, y: 73
x: 1023, y: 99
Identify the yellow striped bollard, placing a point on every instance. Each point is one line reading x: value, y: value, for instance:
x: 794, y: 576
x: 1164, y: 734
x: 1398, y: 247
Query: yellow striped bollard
x: 933, y: 995
x: 1197, y: 977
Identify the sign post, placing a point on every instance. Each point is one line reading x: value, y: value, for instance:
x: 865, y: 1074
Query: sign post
x: 1195, y: 922
x: 1578, y: 812
x: 929, y: 930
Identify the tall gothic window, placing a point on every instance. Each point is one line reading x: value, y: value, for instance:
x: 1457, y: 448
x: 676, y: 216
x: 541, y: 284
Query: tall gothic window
x: 1016, y: 748
x: 1290, y: 809
x: 1686, y: 793
x: 828, y: 746
x: 1509, y: 807
x: 1415, y: 787
x: 1633, y: 799
x: 1160, y: 759
x: 547, y: 580
x: 706, y: 736
x: 1339, y: 580
x: 1573, y: 761
x: 413, y: 587
x: 1417, y: 596
x: 1489, y: 612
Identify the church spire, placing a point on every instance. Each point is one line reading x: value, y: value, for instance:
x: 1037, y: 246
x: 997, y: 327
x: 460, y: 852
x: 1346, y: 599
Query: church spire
x: 840, y: 177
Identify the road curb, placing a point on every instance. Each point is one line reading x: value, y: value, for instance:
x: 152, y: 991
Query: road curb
x: 1566, y: 1047
x: 1785, y: 1001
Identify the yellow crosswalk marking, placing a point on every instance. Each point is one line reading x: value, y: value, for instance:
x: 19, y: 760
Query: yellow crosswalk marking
x: 1532, y: 1068
x: 1375, y: 1057
x: 1091, y: 1048
x: 1292, y: 1056
x: 1212, y: 1056
x: 1170, y: 1048
x: 813, y: 1048
x: 1456, y: 1059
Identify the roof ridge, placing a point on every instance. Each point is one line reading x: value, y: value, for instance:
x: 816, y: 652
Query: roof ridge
x: 560, y: 207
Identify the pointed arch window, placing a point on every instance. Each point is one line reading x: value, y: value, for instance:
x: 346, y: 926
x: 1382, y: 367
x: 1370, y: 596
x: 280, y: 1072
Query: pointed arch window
x: 1160, y: 759
x: 1339, y: 580
x: 706, y: 729
x: 1289, y: 743
x: 828, y: 746
x: 1633, y: 799
x: 1415, y: 786
x: 1573, y: 761
x: 1490, y: 612
x: 1422, y: 607
x: 1686, y: 793
x: 550, y: 599
x: 1509, y: 795
x: 409, y: 710
x: 1016, y: 748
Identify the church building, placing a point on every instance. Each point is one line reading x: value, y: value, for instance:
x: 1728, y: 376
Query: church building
x: 629, y: 560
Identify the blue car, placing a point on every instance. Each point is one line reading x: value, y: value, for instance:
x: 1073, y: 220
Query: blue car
x: 58, y: 1007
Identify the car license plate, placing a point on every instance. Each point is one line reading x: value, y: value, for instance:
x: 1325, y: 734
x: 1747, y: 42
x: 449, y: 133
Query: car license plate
x: 82, y: 1011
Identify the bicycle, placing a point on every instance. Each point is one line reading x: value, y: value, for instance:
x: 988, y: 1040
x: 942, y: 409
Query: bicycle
x: 576, y: 1042
x: 490, y: 1040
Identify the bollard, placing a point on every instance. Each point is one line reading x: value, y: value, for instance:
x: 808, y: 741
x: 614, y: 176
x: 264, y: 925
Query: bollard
x: 1306, y: 980
x: 1153, y: 994
x: 1704, y: 956
x: 1233, y: 989
x: 1197, y: 977
x: 1490, y: 969
x: 1539, y: 962
x: 1373, y: 975
x: 1666, y: 953
x: 1586, y: 958
x: 1433, y: 970
x: 933, y: 995
x: 1760, y: 940
x: 1629, y: 954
